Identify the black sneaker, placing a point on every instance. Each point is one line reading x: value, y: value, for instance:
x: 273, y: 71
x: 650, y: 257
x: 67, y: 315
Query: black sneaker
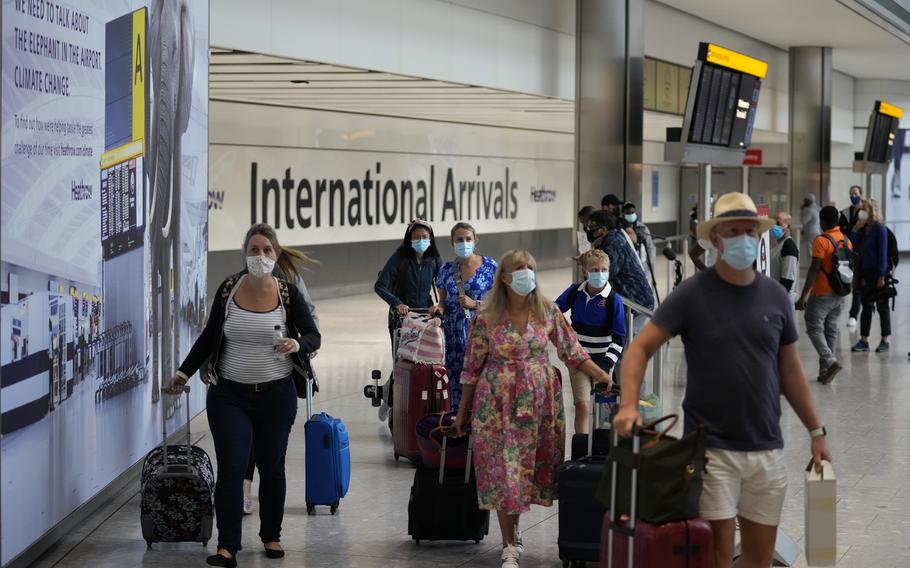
x: 883, y: 347
x: 861, y: 346
x: 828, y: 376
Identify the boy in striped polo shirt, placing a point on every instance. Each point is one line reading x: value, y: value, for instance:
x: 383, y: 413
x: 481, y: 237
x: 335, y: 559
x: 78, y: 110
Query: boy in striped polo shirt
x: 598, y: 318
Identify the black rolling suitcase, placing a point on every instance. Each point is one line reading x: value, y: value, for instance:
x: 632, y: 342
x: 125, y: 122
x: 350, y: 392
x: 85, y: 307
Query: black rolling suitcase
x: 580, y: 513
x: 178, y: 488
x: 443, y: 503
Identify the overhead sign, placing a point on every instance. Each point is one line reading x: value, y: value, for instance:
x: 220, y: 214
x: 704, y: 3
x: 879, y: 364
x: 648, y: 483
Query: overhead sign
x: 315, y: 196
x: 753, y: 157
x: 724, y: 98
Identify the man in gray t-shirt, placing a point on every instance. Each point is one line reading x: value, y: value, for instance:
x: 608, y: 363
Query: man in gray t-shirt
x: 739, y: 337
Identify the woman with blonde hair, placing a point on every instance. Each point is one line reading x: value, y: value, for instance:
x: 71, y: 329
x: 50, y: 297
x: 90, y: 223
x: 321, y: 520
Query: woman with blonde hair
x: 462, y: 284
x: 252, y: 400
x: 515, y: 394
x: 870, y: 239
x: 290, y: 266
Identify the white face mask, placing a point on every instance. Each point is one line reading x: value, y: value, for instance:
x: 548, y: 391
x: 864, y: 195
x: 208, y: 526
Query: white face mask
x: 260, y: 266
x: 862, y: 215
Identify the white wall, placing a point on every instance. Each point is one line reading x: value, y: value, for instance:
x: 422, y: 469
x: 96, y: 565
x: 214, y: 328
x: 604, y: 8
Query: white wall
x: 843, y: 104
x: 526, y: 46
x: 674, y: 36
x: 667, y: 209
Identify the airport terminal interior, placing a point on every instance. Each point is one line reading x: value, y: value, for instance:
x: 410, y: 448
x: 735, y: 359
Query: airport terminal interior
x: 142, y: 138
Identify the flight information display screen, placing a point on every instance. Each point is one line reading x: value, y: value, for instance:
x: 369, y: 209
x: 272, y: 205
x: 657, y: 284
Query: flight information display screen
x: 122, y: 207
x: 724, y: 93
x: 882, y: 131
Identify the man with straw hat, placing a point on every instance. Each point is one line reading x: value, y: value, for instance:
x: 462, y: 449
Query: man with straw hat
x: 739, y: 336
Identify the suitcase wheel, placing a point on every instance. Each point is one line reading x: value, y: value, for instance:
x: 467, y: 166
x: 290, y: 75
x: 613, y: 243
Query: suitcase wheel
x: 476, y: 541
x: 396, y: 456
x: 334, y: 508
x: 310, y: 509
x: 205, y: 543
x: 149, y: 544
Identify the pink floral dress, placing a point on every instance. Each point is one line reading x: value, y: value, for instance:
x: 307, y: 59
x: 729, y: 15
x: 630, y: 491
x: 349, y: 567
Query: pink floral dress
x: 519, y: 421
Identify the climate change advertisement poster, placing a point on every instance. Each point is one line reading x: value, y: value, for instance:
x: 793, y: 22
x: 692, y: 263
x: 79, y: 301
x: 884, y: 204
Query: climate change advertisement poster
x: 104, y: 239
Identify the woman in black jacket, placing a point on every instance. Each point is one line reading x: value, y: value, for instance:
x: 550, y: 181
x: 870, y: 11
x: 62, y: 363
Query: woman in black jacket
x: 252, y: 401
x: 407, y: 281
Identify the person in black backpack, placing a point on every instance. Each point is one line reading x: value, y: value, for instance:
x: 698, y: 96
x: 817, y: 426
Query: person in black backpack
x: 871, y: 239
x: 599, y: 319
x: 828, y: 291
x: 252, y: 353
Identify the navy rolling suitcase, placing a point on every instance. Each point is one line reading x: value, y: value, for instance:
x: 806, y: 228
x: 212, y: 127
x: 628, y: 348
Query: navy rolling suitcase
x: 443, y: 504
x: 328, y: 458
x: 580, y: 513
x: 178, y: 489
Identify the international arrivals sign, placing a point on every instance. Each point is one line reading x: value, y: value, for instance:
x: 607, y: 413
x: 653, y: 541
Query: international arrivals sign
x: 314, y: 196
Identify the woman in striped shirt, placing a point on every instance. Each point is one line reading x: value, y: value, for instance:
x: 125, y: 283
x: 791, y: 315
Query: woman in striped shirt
x: 253, y: 399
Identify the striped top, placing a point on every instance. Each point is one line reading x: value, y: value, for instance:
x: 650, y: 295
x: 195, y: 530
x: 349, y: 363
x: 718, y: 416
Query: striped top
x: 599, y: 322
x: 249, y: 346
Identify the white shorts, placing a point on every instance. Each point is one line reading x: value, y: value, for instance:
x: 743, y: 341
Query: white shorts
x: 751, y: 485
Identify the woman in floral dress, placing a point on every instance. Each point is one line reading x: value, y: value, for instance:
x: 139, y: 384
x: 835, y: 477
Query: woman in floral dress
x: 515, y: 394
x: 474, y: 274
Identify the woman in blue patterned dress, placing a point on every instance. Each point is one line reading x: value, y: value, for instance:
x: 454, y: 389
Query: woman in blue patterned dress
x: 462, y: 286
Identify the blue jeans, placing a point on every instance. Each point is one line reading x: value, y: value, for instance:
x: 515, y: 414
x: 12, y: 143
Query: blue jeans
x: 242, y: 421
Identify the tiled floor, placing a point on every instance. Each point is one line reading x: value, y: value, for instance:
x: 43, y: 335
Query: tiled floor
x: 867, y: 410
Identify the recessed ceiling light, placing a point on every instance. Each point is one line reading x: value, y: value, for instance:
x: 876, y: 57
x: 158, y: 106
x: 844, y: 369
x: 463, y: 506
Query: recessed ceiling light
x: 300, y: 82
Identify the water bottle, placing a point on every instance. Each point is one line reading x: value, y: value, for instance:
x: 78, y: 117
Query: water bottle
x: 278, y: 337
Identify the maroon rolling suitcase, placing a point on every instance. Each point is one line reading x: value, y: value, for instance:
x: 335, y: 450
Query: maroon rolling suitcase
x: 419, y: 390
x: 628, y: 543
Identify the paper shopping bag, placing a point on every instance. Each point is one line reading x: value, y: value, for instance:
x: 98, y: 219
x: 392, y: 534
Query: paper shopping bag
x: 821, y: 516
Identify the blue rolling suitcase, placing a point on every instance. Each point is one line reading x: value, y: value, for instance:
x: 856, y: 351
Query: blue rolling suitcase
x: 328, y: 458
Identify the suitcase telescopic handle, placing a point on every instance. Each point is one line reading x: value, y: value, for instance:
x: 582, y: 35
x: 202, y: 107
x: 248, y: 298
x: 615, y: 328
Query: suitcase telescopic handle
x: 467, y: 465
x: 189, y: 440
x: 633, y: 508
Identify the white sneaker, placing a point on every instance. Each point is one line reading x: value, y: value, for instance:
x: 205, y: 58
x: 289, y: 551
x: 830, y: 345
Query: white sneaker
x: 518, y: 544
x: 851, y: 322
x: 510, y: 556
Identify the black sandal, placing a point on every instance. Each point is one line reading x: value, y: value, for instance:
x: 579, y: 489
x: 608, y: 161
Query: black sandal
x: 273, y: 553
x: 223, y: 561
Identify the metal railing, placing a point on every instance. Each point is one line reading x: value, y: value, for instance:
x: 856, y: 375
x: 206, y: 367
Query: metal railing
x: 657, y: 361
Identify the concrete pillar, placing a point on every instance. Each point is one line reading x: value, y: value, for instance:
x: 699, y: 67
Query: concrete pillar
x: 810, y: 124
x: 609, y: 71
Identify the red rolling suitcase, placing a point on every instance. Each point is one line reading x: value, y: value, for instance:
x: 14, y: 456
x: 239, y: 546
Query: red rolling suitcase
x: 419, y: 390
x: 628, y: 543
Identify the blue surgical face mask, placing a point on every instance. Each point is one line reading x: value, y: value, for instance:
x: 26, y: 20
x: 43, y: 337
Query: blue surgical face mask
x: 464, y: 249
x: 777, y: 232
x: 740, y: 252
x: 855, y: 199
x: 523, y: 281
x: 420, y: 245
x: 632, y: 217
x: 598, y: 280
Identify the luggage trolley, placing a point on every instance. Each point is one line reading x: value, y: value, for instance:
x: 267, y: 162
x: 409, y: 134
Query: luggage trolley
x: 376, y: 392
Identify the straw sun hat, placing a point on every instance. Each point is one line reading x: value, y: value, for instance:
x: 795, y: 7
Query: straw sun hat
x: 733, y: 207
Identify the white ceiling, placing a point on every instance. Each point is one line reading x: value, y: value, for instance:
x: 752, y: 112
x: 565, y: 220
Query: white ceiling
x: 255, y: 78
x: 861, y: 48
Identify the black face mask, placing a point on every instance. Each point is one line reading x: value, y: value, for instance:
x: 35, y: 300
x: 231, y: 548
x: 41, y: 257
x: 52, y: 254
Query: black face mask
x: 592, y: 234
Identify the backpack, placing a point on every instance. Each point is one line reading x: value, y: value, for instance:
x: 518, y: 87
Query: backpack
x: 844, y: 262
x: 894, y: 255
x: 301, y: 365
